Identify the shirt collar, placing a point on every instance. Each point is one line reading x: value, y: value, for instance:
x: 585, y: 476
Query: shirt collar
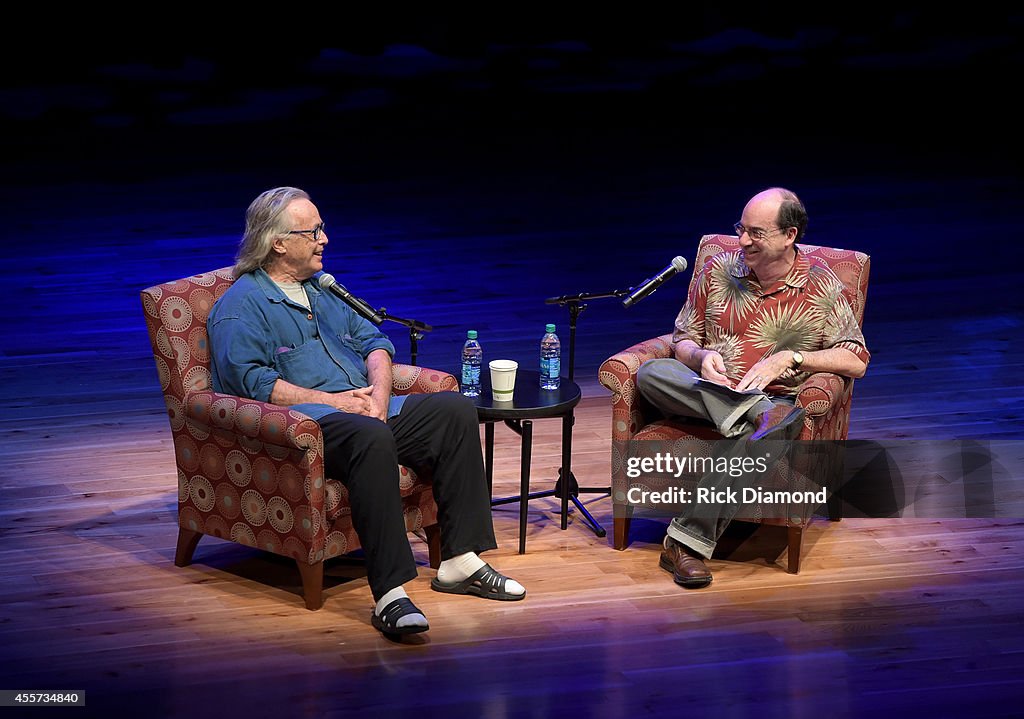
x: 274, y: 293
x: 797, y: 276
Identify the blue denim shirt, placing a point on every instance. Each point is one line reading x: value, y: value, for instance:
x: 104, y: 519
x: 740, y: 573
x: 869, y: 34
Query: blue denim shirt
x: 258, y: 335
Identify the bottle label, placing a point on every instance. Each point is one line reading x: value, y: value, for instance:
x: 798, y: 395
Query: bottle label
x: 470, y: 374
x: 550, y: 367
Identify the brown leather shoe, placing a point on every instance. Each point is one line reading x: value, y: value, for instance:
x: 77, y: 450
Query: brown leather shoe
x: 782, y: 421
x: 687, y: 567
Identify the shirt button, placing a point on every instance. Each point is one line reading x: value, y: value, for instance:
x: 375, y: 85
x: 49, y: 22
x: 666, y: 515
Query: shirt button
x: 309, y: 317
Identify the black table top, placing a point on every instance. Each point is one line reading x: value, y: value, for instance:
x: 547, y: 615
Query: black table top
x: 528, y: 401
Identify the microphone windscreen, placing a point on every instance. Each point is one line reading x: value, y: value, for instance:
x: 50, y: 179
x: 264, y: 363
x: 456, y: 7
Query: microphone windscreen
x: 326, y: 280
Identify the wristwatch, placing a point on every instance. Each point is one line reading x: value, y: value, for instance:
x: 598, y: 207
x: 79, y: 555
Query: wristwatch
x: 798, y: 359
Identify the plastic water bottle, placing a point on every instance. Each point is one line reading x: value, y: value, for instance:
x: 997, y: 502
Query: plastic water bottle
x: 550, y: 359
x: 472, y: 358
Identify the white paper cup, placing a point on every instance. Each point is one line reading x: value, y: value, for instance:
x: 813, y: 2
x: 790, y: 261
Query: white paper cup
x: 503, y: 379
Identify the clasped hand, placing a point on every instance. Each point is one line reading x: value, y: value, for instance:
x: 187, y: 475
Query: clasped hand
x: 361, y: 401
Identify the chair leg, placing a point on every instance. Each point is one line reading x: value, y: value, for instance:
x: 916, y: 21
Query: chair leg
x: 187, y: 541
x: 796, y: 540
x: 312, y: 583
x: 835, y: 506
x: 620, y: 529
x: 433, y: 533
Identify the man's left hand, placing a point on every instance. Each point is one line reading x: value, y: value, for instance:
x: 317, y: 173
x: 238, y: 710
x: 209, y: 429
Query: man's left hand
x: 766, y: 371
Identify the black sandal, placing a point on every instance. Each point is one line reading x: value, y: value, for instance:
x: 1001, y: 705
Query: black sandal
x: 484, y: 582
x: 387, y: 622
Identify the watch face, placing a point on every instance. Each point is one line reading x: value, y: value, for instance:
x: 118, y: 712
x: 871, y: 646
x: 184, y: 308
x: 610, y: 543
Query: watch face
x: 798, y: 359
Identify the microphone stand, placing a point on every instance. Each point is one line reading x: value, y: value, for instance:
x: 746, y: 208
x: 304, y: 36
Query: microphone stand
x: 416, y: 330
x: 576, y: 305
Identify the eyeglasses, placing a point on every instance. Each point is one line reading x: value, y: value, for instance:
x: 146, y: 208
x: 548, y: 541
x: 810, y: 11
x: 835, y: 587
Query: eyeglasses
x: 316, y: 232
x: 756, y: 233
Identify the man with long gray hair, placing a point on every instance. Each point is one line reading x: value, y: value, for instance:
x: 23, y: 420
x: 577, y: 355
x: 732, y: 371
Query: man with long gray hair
x: 276, y: 336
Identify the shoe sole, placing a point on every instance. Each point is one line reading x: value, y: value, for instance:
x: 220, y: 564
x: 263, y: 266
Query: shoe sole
x: 685, y: 583
x: 473, y: 591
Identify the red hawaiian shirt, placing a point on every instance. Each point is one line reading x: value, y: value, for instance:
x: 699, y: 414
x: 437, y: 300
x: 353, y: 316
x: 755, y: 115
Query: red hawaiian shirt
x: 728, y: 311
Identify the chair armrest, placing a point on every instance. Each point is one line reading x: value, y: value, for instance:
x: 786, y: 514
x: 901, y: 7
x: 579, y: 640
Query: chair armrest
x: 821, y: 392
x: 619, y: 371
x: 270, y: 423
x: 409, y: 379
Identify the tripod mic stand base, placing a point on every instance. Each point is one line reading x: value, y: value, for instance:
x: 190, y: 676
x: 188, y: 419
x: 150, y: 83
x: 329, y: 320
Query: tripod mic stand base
x: 588, y: 520
x: 574, y: 490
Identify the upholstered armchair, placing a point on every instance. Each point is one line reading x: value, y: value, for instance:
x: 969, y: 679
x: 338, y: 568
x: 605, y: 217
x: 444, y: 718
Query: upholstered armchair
x: 824, y: 397
x: 253, y: 472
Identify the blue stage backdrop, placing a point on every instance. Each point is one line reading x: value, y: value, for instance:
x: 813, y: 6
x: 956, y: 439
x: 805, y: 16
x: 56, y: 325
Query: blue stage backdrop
x: 468, y: 175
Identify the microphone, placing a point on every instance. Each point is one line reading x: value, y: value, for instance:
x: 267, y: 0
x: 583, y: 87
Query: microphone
x: 650, y: 285
x: 327, y: 282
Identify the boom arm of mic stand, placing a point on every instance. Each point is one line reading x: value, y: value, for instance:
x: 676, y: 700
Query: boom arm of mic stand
x: 584, y: 296
x: 416, y: 331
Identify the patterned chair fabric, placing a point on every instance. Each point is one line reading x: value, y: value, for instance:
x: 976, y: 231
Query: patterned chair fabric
x: 253, y: 472
x: 825, y: 397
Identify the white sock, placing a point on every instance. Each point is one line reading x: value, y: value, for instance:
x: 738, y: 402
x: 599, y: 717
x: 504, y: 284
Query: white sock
x: 409, y: 620
x: 465, y: 565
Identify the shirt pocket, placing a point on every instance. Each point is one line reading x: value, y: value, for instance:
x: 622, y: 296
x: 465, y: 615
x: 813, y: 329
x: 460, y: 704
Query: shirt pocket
x: 308, y: 365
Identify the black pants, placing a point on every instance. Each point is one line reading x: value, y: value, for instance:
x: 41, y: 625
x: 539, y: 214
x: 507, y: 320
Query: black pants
x: 438, y: 436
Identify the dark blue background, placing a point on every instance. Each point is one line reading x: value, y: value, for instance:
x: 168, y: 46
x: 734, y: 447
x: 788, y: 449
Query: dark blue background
x: 469, y: 170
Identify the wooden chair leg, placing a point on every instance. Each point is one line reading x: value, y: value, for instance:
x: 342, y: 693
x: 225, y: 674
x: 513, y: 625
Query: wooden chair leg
x: 433, y: 533
x: 187, y: 541
x: 312, y: 583
x: 835, y: 506
x: 796, y: 540
x: 833, y: 481
x: 620, y: 529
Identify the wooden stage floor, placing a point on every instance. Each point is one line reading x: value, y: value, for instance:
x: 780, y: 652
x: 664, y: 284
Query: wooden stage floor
x: 891, y: 616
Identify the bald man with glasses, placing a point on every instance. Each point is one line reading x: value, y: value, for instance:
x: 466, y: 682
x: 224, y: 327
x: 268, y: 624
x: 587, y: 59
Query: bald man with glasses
x: 757, y: 322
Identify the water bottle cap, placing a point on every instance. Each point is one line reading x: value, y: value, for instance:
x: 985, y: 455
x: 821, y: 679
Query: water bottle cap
x: 471, y: 334
x: 549, y: 328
